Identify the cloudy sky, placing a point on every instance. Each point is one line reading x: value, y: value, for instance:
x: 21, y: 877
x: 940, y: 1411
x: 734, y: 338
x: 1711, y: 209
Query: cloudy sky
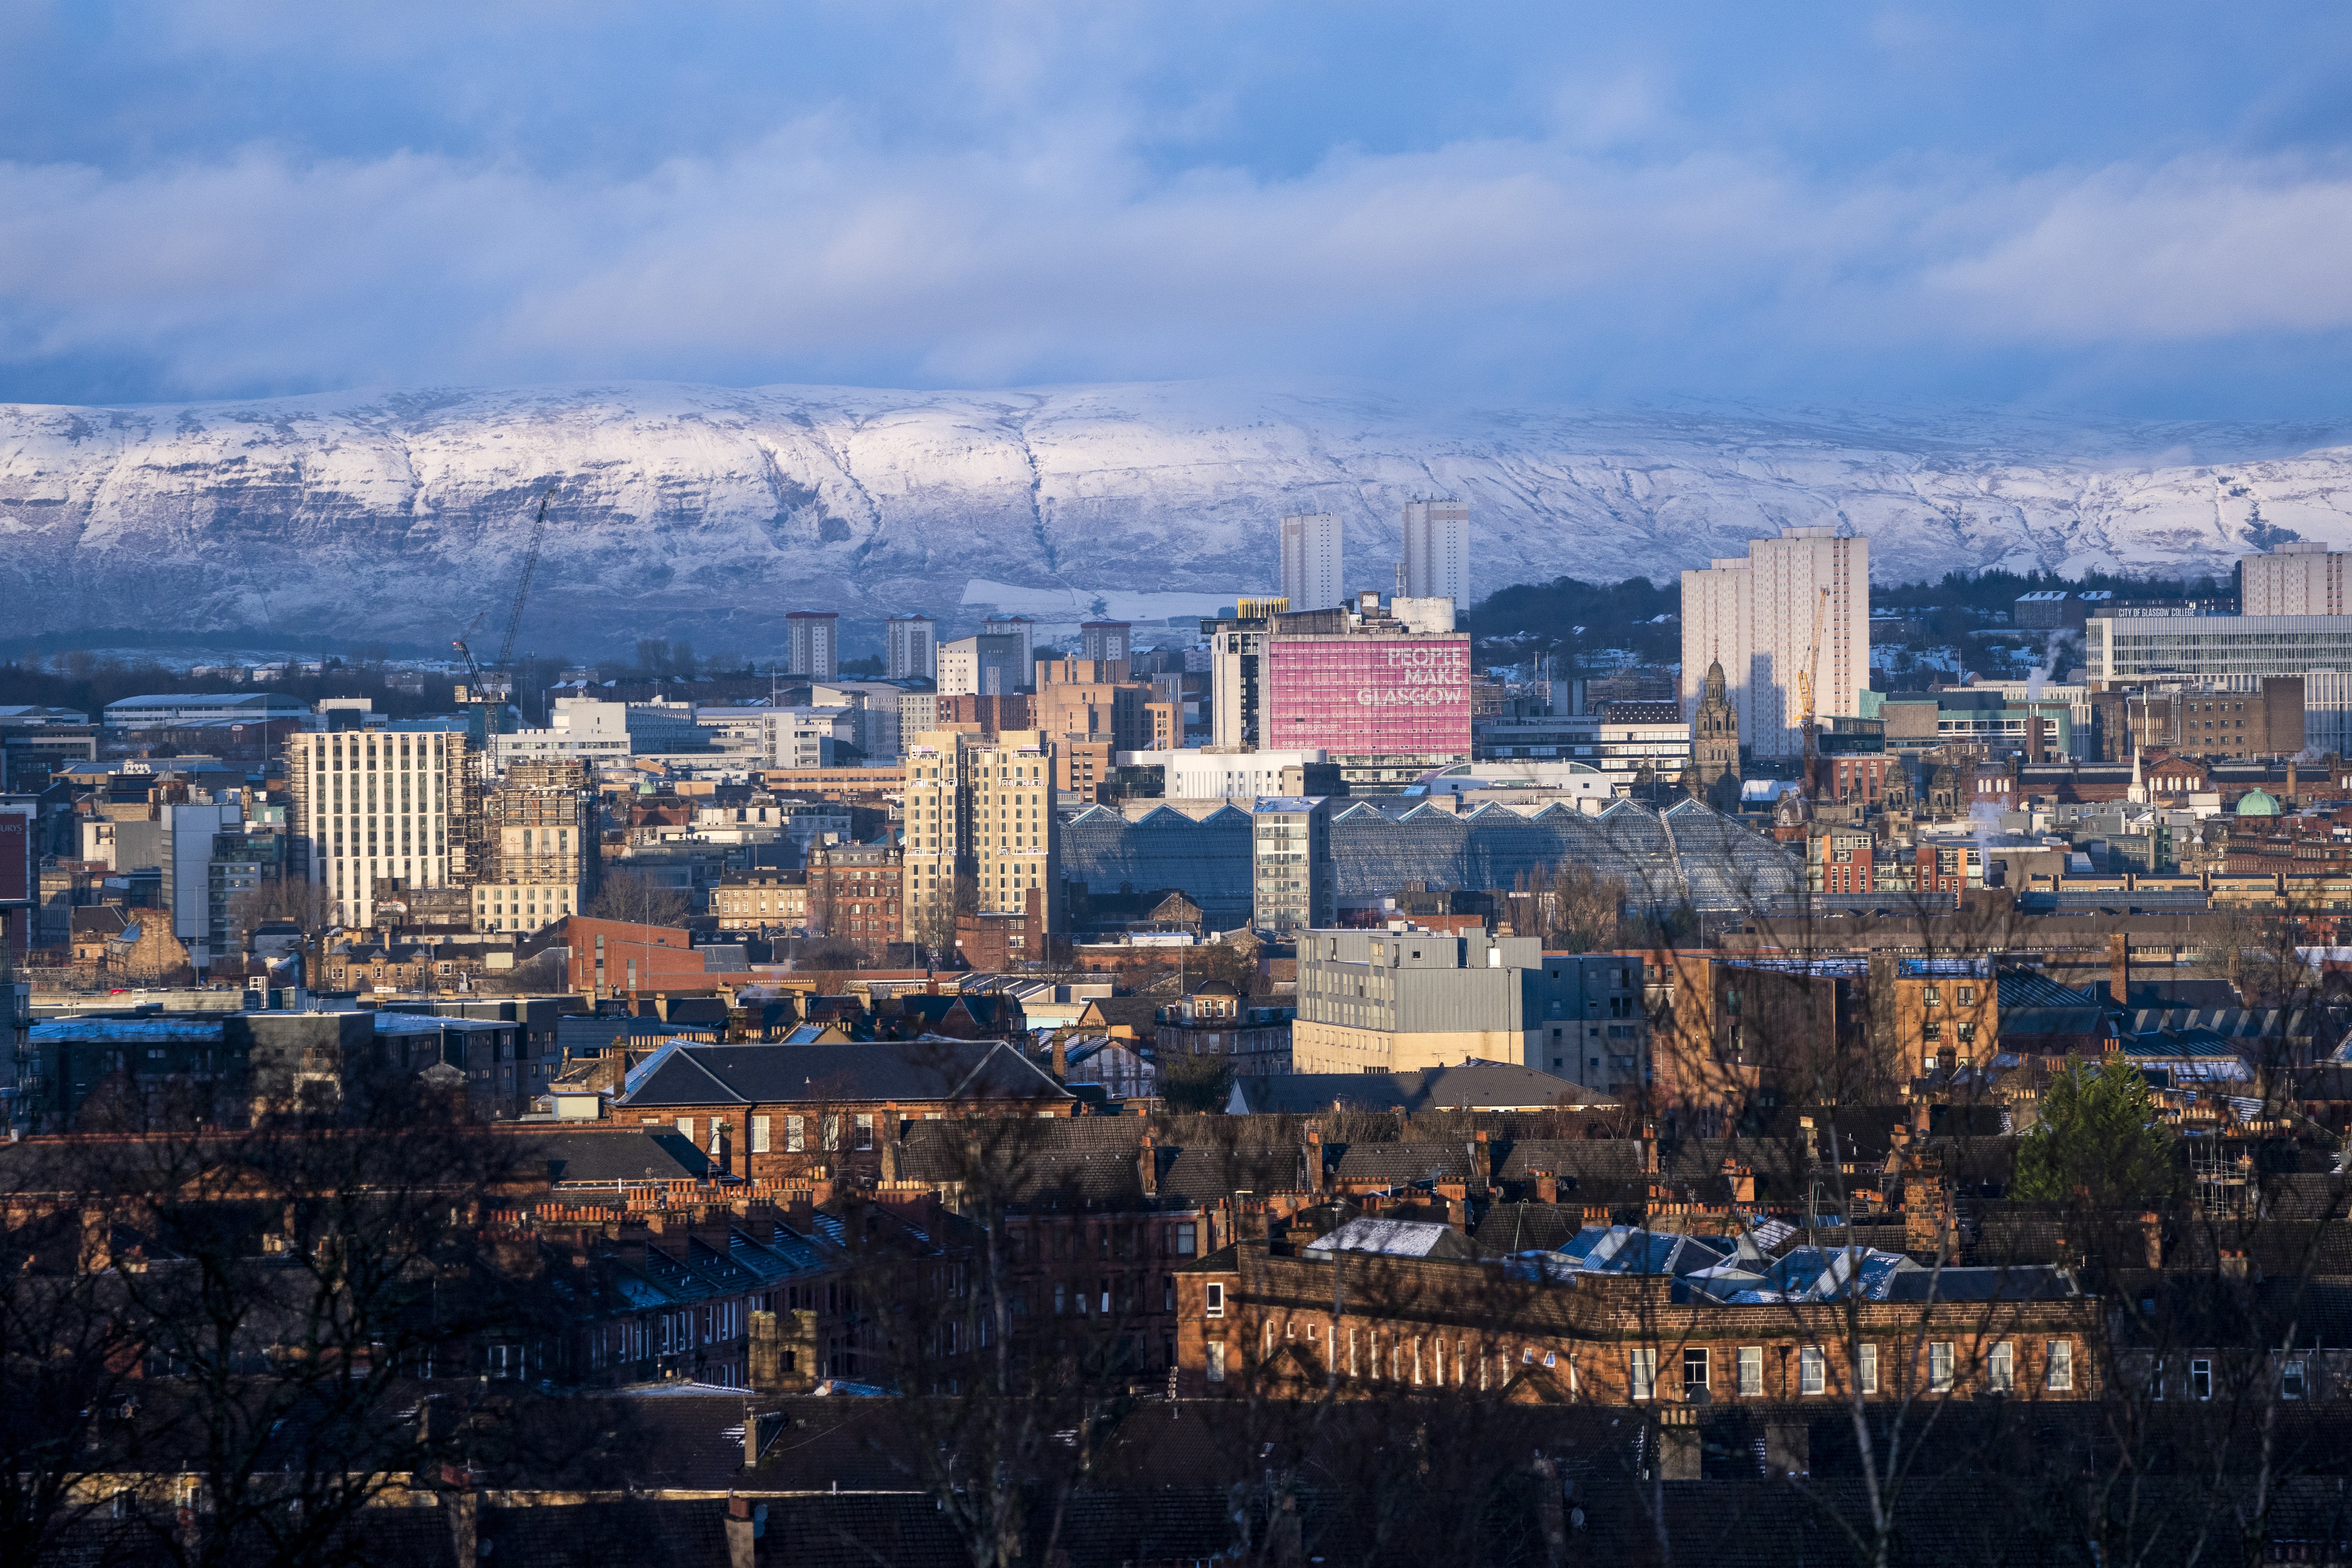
x: 2139, y: 208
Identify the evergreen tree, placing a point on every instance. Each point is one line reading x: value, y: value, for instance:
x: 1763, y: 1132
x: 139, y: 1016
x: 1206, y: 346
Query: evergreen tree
x: 2099, y: 1134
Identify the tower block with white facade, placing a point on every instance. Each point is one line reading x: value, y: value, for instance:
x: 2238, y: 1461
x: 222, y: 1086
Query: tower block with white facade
x: 1437, y: 551
x: 911, y: 648
x: 1313, y: 573
x: 1756, y: 615
x: 2293, y: 579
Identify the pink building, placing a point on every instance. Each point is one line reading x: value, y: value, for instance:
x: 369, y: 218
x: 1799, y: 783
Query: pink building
x: 1364, y: 695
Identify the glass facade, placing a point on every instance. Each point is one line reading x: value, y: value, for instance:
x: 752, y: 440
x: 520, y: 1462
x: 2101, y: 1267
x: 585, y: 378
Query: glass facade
x: 2125, y: 647
x: 1359, y: 695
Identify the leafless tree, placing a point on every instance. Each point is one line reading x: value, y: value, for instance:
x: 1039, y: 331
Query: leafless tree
x: 636, y: 898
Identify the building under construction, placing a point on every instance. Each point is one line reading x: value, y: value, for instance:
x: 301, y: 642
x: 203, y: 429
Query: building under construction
x: 539, y: 846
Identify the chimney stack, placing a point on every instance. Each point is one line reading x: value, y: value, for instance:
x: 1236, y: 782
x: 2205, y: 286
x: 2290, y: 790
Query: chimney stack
x: 1147, y: 1166
x: 2119, y: 969
x: 742, y: 1530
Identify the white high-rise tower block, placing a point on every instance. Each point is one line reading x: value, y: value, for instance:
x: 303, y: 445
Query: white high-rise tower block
x: 1313, y: 577
x: 1756, y: 616
x: 1437, y: 551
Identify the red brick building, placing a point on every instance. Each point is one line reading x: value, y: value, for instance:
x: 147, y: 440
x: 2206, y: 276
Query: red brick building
x: 855, y: 893
x: 610, y: 957
x: 794, y: 1112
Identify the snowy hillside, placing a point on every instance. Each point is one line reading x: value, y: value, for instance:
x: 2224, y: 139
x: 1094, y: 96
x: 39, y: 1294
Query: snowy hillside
x: 708, y: 511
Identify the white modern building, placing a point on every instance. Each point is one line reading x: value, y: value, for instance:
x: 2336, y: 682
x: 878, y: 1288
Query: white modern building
x: 1314, y: 573
x: 911, y: 647
x: 2296, y: 579
x: 1437, y: 550
x: 371, y: 804
x: 877, y: 704
x: 1635, y: 736
x: 153, y: 713
x: 995, y: 664
x: 1756, y: 615
x: 1217, y: 773
x: 1586, y: 785
x: 805, y: 737
x: 736, y: 731
x: 590, y: 730
x: 813, y: 644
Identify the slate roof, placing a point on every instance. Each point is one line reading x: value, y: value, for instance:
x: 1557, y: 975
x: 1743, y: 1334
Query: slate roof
x: 1393, y: 1238
x: 1401, y: 1164
x: 611, y: 1155
x: 1063, y: 1163
x: 1204, y: 1172
x: 582, y: 1037
x: 906, y: 1071
x: 2024, y: 990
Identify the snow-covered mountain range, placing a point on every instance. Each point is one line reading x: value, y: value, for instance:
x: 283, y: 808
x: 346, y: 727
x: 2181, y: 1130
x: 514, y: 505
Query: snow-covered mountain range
x: 708, y: 512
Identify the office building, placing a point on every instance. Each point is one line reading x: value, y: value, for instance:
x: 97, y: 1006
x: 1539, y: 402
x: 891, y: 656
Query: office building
x: 1105, y: 641
x: 376, y: 802
x: 2233, y: 654
x: 1644, y: 739
x: 1395, y: 1000
x: 1294, y: 882
x: 980, y: 807
x: 910, y: 648
x: 1437, y: 551
x: 993, y: 664
x: 177, y: 841
x: 876, y: 703
x: 1756, y: 617
x: 1314, y: 574
x: 1236, y: 677
x: 1215, y: 773
x: 590, y: 730
x: 813, y: 644
x: 2293, y: 579
x: 2201, y: 719
x: 1385, y: 703
x: 808, y: 737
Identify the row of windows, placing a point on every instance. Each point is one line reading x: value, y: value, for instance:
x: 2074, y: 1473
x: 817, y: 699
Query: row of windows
x: 1812, y: 1369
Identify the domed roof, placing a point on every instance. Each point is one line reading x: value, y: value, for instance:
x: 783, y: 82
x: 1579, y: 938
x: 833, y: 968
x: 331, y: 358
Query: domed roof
x: 2256, y: 803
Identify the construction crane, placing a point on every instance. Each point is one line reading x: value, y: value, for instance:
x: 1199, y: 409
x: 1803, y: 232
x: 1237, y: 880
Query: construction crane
x: 1805, y: 681
x: 523, y: 586
x: 485, y: 693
